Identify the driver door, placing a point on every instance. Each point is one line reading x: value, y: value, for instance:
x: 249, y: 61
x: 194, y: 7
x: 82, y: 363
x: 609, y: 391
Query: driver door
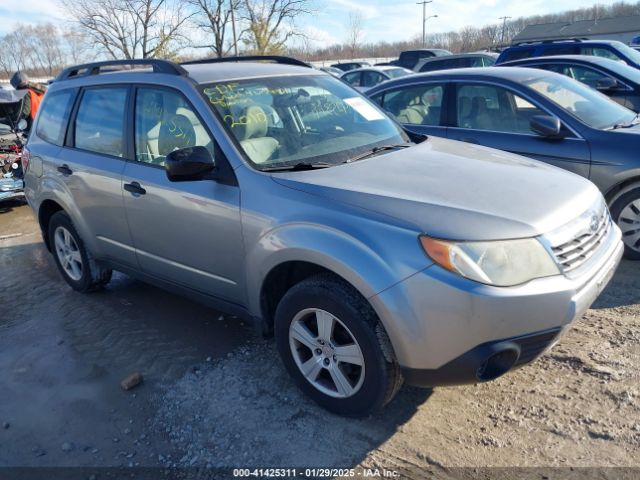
x: 187, y: 233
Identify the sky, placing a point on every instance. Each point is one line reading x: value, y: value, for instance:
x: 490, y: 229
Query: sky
x: 389, y: 20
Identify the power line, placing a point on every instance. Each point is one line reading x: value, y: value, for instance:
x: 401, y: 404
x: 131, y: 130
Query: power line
x: 504, y: 23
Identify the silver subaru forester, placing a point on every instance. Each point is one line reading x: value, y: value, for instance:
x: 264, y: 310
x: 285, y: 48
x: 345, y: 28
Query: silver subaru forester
x: 277, y: 193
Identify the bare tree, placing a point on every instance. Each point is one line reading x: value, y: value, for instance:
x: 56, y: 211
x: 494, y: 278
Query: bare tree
x: 214, y: 17
x: 130, y: 28
x: 355, y: 31
x: 270, y: 23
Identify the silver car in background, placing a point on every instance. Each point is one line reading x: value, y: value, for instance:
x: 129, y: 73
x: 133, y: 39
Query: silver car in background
x: 277, y: 193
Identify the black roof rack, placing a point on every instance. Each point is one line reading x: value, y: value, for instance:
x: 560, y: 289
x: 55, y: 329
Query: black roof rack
x: 159, y: 66
x: 251, y: 58
x: 551, y: 40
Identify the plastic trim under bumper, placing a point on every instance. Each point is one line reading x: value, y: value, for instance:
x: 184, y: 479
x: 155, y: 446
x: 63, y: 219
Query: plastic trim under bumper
x: 474, y: 365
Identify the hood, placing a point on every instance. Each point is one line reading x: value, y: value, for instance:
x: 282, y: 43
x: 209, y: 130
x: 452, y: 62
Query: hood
x: 454, y: 190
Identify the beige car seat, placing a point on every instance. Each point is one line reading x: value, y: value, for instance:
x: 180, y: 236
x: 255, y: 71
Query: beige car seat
x: 252, y: 134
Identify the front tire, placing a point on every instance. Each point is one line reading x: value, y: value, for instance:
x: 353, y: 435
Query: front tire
x: 77, y: 266
x: 625, y: 211
x: 332, y: 344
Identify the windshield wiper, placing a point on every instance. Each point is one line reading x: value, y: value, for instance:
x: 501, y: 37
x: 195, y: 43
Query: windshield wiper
x: 297, y: 167
x: 627, y: 125
x: 379, y: 149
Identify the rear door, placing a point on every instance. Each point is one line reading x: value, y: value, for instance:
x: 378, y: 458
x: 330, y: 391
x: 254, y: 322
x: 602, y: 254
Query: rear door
x: 419, y: 108
x: 91, y: 166
x: 188, y: 232
x: 497, y: 117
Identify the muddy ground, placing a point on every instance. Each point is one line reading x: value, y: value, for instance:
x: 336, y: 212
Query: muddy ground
x: 216, y: 395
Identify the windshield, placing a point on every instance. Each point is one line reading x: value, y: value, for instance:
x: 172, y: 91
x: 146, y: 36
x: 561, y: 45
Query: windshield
x: 281, y: 121
x: 631, y: 53
x: 588, y: 105
x: 397, y: 72
x: 624, y: 70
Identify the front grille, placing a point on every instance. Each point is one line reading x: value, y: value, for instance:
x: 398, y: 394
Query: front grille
x: 533, y: 345
x: 576, y: 252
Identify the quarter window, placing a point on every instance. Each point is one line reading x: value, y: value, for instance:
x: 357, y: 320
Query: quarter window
x: 99, y: 125
x: 53, y: 117
x: 420, y: 105
x: 488, y: 107
x: 164, y: 122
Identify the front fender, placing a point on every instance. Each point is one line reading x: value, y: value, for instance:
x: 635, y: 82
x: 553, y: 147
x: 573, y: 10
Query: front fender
x: 368, y: 268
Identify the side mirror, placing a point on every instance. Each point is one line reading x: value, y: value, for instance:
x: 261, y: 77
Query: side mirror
x: 545, y: 125
x: 22, y: 125
x: 606, y: 83
x: 191, y: 163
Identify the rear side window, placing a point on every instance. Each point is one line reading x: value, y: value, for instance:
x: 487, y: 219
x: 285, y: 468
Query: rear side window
x: 517, y: 54
x: 560, y: 50
x: 353, y: 79
x: 54, y: 114
x: 99, y: 123
x: 421, y: 105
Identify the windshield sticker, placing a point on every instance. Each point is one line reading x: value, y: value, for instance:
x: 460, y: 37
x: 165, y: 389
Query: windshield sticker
x: 363, y: 108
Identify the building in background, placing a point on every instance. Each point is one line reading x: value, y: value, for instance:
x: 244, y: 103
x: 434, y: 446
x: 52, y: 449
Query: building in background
x: 623, y: 29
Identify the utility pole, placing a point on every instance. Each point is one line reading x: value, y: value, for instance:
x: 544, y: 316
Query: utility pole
x: 424, y: 20
x: 504, y: 24
x: 233, y: 28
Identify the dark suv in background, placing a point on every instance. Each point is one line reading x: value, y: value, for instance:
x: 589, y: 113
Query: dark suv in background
x: 600, y: 48
x: 464, y: 60
x: 410, y: 58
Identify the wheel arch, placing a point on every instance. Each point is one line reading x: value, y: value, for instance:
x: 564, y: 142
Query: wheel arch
x: 304, y: 251
x: 46, y: 210
x: 622, y: 188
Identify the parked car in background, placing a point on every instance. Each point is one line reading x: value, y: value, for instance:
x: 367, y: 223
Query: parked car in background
x: 535, y: 113
x: 611, y: 49
x: 410, y: 58
x: 618, y: 81
x: 336, y: 72
x: 280, y: 195
x: 464, y: 60
x: 346, y: 66
x: 363, y: 79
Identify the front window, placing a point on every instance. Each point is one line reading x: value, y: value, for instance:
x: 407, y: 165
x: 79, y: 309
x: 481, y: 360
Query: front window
x: 493, y: 108
x: 588, y: 105
x: 281, y: 121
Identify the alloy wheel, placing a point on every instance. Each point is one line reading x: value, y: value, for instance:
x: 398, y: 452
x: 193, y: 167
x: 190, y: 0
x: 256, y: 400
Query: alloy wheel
x: 629, y: 223
x: 327, y: 353
x: 68, y: 253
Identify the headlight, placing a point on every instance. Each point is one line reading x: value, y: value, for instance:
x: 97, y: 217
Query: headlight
x: 501, y: 263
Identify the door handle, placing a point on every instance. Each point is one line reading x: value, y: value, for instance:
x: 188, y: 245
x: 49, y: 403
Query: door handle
x: 64, y: 169
x: 469, y: 140
x: 135, y: 188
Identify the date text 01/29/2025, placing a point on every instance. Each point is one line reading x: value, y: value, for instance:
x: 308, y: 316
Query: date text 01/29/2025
x: 314, y: 472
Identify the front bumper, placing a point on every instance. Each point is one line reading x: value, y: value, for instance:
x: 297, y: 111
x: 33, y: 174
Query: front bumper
x: 11, y: 188
x: 442, y: 326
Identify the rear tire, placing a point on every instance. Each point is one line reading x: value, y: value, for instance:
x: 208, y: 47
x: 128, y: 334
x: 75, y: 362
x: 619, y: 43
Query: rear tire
x: 77, y: 266
x: 330, y: 356
x: 625, y: 211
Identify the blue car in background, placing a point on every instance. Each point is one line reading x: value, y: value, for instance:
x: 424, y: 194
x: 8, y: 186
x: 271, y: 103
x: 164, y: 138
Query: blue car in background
x: 616, y: 80
x: 535, y: 113
x: 611, y: 49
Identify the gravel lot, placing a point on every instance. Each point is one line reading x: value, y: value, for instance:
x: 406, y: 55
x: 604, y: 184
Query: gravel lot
x: 216, y: 395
